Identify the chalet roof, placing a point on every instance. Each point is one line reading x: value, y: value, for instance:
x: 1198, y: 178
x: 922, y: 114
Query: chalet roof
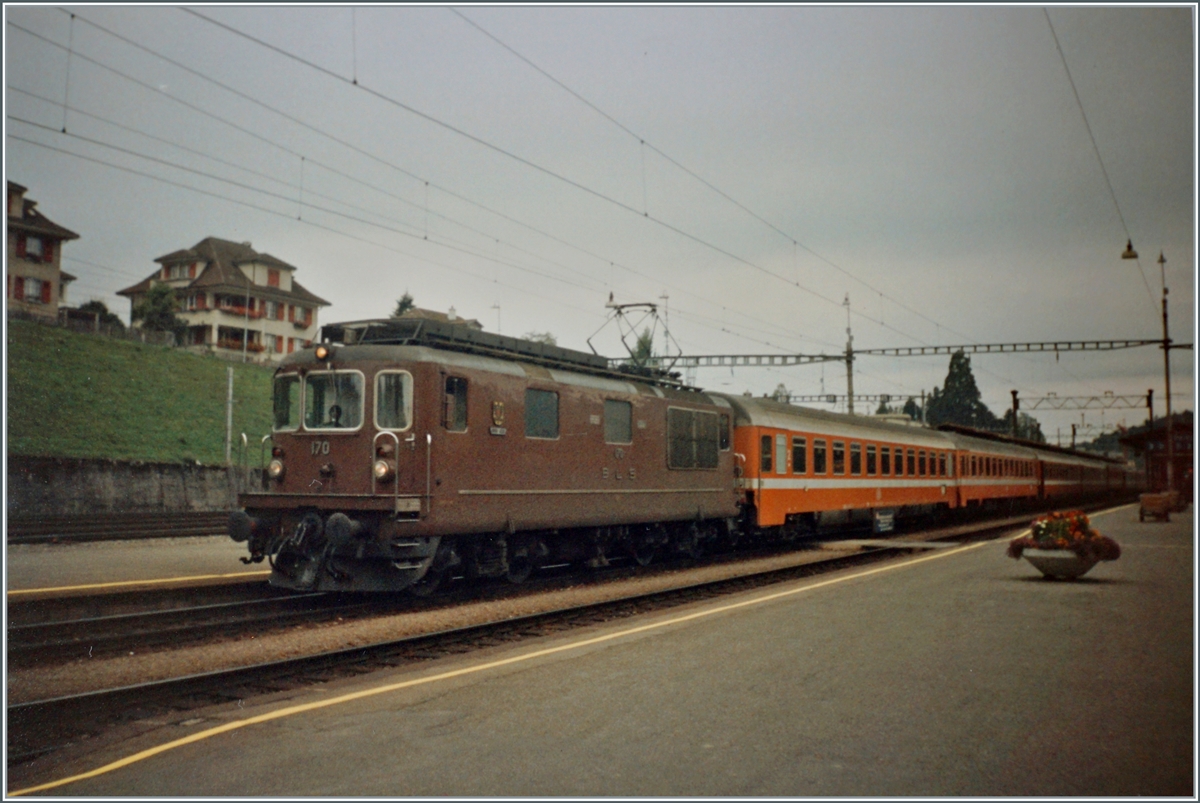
x: 221, y: 260
x: 31, y: 221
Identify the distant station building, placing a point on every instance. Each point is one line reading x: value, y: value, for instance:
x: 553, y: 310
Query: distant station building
x: 1151, y: 446
x: 36, y: 283
x: 235, y: 300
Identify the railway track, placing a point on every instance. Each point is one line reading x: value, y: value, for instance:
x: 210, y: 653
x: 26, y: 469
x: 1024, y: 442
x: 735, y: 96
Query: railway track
x: 115, y: 526
x: 41, y: 727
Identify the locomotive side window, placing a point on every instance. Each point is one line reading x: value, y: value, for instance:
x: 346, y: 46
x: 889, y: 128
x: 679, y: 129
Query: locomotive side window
x: 393, y: 399
x: 541, y: 413
x: 870, y: 459
x: 723, y: 435
x: 856, y: 458
x: 287, y: 402
x: 333, y: 400
x: 799, y: 456
x: 693, y: 439
x: 839, y: 457
x: 618, y: 421
x: 819, y: 457
x: 765, y: 454
x: 454, y: 416
x: 885, y: 460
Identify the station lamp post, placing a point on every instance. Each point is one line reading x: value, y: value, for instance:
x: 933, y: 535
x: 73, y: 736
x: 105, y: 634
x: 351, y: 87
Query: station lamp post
x: 1166, y: 347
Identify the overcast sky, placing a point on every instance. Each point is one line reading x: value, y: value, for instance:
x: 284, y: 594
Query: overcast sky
x: 752, y: 165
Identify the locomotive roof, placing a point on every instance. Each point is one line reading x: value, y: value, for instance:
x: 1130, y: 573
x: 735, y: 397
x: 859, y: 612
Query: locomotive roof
x: 458, y: 337
x: 612, y: 382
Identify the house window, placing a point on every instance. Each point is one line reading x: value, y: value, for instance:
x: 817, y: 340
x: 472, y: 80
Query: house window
x: 618, y: 421
x: 37, y: 291
x: 272, y: 277
x: 455, y: 418
x: 541, y: 413
x: 799, y: 456
x: 818, y: 456
x: 33, y: 248
x: 270, y: 311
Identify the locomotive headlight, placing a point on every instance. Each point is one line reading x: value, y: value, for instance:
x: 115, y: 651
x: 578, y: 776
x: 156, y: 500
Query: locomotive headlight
x: 275, y: 469
x: 323, y: 352
x: 383, y: 469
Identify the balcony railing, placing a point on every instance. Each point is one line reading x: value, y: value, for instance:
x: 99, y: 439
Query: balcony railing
x: 236, y: 345
x: 240, y: 312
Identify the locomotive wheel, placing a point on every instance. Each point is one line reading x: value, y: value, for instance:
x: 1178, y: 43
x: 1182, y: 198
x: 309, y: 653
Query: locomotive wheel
x: 519, y: 569
x: 643, y: 553
x: 428, y: 584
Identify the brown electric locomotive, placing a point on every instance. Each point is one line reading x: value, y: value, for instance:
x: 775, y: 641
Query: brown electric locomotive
x: 405, y: 450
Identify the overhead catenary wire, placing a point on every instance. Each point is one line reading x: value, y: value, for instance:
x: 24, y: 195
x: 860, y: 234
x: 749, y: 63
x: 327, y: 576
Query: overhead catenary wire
x: 333, y: 138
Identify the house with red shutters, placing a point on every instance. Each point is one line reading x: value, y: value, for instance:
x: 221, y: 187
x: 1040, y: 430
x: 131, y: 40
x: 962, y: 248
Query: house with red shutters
x: 36, y: 283
x: 236, y: 301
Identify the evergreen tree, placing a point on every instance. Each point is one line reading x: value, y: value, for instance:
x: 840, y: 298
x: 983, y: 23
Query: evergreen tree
x: 960, y: 401
x: 884, y: 409
x: 403, y: 305
x: 1027, y: 426
x: 643, y: 350
x: 912, y: 409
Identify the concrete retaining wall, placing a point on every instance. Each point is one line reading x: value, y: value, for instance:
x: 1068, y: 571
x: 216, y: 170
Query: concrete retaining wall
x: 57, y: 486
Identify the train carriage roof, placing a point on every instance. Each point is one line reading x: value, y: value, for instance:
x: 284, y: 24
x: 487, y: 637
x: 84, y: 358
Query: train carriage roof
x: 760, y: 412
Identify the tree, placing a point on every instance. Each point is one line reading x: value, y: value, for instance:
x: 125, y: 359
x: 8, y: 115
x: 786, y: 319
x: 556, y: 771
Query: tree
x: 959, y: 401
x: 541, y: 337
x: 884, y: 409
x: 403, y: 305
x: 98, y: 307
x: 782, y: 394
x: 157, y: 311
x: 643, y: 350
x: 1027, y: 426
x: 912, y: 410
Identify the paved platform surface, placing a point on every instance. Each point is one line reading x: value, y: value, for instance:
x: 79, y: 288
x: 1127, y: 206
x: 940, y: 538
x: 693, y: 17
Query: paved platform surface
x: 952, y: 672
x: 31, y: 566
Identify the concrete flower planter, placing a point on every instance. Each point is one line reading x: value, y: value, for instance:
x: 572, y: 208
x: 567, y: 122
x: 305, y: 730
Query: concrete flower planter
x: 1059, y: 563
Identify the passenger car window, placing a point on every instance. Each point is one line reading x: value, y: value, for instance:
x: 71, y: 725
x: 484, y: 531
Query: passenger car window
x: 618, y: 421
x: 541, y: 413
x: 870, y: 459
x: 454, y: 417
x: 912, y: 463
x: 287, y: 402
x: 921, y: 463
x: 855, y: 458
x: 818, y: 456
x: 765, y: 453
x: 799, y: 456
x: 781, y: 453
x: 885, y: 460
x: 839, y: 457
x: 393, y: 400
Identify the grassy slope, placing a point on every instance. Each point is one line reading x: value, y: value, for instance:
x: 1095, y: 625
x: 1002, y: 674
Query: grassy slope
x: 76, y: 395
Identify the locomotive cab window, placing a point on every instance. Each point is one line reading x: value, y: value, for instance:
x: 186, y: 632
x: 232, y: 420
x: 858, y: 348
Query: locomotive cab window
x: 693, y: 438
x: 618, y: 421
x: 454, y: 414
x: 393, y: 399
x: 541, y: 413
x: 286, y: 399
x: 333, y: 400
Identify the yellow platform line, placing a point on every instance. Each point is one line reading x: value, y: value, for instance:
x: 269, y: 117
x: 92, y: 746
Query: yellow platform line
x: 125, y: 583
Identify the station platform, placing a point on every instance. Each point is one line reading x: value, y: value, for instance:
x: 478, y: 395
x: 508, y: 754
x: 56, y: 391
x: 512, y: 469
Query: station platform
x: 952, y: 672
